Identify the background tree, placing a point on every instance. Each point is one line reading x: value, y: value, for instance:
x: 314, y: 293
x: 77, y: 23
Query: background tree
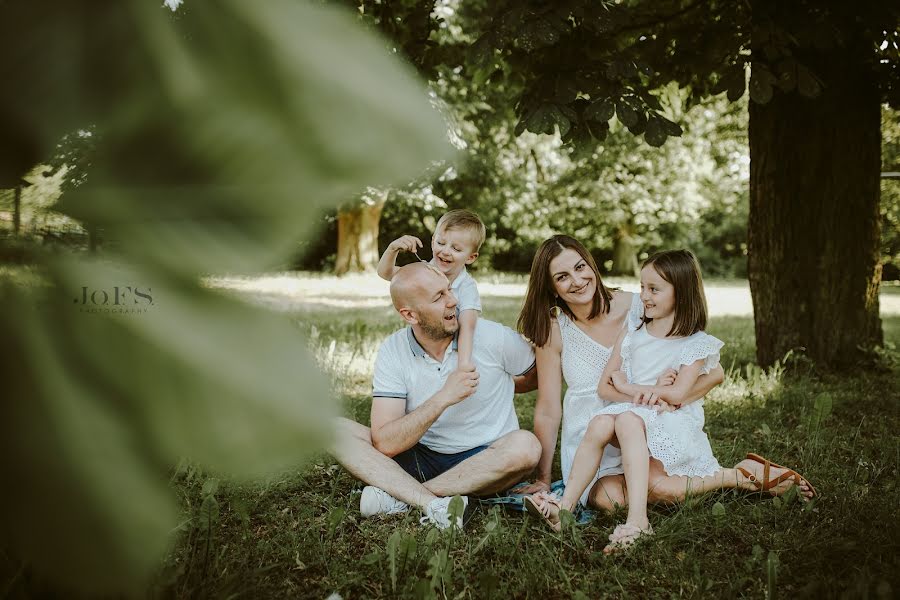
x: 820, y: 71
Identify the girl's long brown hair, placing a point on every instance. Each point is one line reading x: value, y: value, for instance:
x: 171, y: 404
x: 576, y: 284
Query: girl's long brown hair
x: 541, y: 298
x: 681, y: 269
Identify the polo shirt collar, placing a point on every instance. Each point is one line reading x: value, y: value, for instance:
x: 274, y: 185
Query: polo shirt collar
x: 417, y: 349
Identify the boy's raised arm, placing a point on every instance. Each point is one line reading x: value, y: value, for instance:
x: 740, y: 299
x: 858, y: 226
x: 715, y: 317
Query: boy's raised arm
x: 387, y: 264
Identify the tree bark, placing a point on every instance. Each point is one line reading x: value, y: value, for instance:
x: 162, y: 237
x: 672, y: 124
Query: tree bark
x: 17, y: 209
x: 814, y: 223
x: 624, y: 253
x: 358, y: 235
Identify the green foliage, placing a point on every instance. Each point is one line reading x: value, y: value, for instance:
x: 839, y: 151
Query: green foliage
x: 223, y: 132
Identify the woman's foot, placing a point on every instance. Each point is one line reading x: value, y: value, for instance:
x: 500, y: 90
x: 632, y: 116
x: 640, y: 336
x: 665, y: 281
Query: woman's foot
x: 546, y: 506
x: 625, y: 535
x: 755, y: 479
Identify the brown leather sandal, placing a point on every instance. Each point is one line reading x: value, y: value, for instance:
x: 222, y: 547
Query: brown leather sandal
x: 767, y: 484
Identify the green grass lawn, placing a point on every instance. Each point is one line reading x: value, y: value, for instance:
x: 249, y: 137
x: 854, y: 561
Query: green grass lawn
x: 301, y: 534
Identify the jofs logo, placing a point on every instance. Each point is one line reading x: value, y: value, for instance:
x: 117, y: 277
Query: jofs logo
x: 118, y: 299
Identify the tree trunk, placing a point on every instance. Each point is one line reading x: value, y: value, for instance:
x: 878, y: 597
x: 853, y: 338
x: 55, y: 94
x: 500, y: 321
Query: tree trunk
x: 17, y: 209
x: 624, y: 253
x: 358, y: 235
x: 814, y: 224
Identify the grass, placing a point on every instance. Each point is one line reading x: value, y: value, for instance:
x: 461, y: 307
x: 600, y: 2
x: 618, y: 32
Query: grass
x: 301, y: 534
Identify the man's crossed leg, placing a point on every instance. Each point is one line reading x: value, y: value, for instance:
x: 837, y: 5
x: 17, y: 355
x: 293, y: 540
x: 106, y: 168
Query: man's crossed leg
x: 497, y: 467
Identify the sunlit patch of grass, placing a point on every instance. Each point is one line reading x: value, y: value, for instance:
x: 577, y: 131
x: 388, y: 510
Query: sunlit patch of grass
x: 22, y: 276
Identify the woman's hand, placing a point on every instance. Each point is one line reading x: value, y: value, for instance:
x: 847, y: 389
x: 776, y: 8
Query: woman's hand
x: 531, y: 488
x: 667, y: 378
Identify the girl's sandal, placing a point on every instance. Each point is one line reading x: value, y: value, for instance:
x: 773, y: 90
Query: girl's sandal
x: 539, y: 505
x: 624, y: 537
x: 766, y: 485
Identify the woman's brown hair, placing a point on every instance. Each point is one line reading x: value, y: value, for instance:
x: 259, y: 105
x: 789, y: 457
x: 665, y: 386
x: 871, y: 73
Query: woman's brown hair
x: 681, y: 269
x: 541, y: 298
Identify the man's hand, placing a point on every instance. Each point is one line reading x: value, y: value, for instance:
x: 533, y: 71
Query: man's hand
x: 667, y: 378
x: 531, y: 488
x: 461, y: 384
x: 410, y: 243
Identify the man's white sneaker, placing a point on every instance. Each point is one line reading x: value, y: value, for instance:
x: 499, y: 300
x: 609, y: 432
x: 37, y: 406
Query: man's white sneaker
x: 438, y: 513
x: 375, y: 501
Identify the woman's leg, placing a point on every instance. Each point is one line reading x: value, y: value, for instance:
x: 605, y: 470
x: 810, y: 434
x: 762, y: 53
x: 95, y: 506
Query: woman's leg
x: 672, y: 489
x: 636, y: 464
x: 608, y: 493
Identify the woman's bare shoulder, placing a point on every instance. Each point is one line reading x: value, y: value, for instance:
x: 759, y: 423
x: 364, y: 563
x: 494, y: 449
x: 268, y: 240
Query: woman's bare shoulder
x: 621, y: 302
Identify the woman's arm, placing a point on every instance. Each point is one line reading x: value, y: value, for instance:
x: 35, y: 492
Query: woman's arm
x: 548, y: 407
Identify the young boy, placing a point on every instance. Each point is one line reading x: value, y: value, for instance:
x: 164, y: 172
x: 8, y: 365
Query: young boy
x: 456, y: 241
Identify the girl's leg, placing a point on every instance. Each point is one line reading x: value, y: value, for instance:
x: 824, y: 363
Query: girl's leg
x: 600, y: 431
x: 636, y: 464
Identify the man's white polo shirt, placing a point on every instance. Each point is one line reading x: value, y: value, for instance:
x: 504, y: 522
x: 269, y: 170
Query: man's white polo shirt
x: 404, y: 370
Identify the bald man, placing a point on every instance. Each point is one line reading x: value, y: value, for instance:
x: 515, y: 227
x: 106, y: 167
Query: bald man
x: 438, y: 431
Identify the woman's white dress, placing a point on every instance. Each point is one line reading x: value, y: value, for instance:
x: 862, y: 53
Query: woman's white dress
x: 583, y: 361
x: 675, y: 438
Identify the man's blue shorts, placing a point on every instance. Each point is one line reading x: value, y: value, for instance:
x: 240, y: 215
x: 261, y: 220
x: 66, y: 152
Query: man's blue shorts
x: 425, y: 464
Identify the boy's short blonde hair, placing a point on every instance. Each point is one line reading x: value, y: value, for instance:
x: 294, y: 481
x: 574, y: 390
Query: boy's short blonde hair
x: 464, y: 219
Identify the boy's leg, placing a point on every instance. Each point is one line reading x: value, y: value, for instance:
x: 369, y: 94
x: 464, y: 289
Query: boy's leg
x: 353, y: 449
x: 496, y: 468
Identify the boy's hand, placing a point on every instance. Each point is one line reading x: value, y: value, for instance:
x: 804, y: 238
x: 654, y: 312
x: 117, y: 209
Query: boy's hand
x: 410, y: 243
x: 460, y: 384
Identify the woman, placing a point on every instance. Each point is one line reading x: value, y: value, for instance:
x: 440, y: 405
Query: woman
x: 573, y: 321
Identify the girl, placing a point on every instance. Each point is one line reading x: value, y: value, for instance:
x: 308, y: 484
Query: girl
x: 652, y: 422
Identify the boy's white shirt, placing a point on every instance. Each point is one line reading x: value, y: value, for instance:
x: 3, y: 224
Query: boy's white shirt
x: 466, y: 291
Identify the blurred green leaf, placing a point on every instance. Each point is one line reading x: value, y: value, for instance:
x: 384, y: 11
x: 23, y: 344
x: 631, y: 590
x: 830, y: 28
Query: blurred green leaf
x: 718, y: 509
x: 222, y: 131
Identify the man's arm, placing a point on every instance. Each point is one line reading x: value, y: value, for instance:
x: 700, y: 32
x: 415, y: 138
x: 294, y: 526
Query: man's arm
x: 527, y: 382
x: 394, y: 430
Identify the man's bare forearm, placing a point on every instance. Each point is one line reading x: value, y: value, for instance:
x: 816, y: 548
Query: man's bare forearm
x: 402, y: 434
